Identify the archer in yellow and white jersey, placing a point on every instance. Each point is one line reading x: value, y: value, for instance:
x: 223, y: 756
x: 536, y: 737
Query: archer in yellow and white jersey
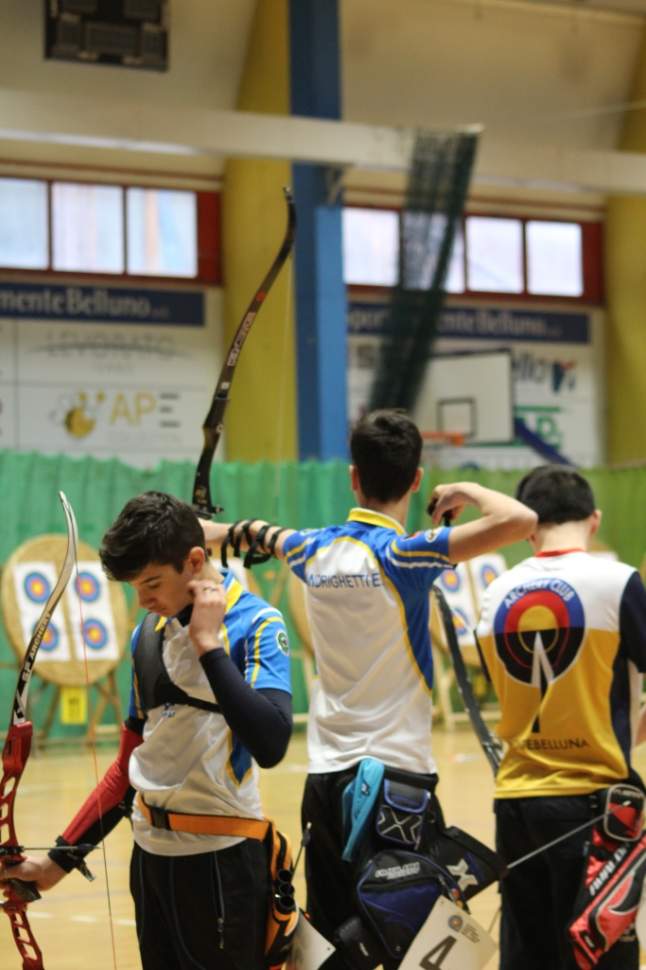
x: 563, y: 636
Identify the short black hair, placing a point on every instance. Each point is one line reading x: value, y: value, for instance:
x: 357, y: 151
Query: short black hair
x: 557, y: 494
x: 386, y: 447
x: 151, y: 528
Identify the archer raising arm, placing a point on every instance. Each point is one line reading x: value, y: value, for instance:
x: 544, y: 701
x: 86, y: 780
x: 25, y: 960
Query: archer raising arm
x: 502, y: 519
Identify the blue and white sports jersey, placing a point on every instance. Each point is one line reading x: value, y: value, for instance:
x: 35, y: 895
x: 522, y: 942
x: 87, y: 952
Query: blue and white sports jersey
x: 190, y: 761
x: 368, y: 586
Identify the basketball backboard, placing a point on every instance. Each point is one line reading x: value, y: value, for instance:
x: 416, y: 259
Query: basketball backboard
x: 470, y: 394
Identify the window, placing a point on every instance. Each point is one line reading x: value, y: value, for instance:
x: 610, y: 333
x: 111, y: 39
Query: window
x: 554, y: 258
x: 455, y: 275
x: 370, y: 246
x: 423, y: 239
x: 83, y: 227
x: 162, y: 232
x: 371, y: 249
x: 23, y: 224
x: 518, y: 257
x: 494, y: 254
x: 87, y: 223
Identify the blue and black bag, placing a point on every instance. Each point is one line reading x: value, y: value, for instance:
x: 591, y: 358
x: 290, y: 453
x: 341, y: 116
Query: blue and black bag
x: 405, y: 858
x: 395, y: 894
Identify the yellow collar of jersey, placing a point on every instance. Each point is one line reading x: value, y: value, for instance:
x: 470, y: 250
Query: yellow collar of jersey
x: 376, y: 518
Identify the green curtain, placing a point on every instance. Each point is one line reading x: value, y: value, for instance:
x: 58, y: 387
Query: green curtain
x: 298, y: 494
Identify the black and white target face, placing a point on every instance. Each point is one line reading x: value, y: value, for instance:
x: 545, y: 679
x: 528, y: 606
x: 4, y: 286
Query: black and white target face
x: 538, y: 629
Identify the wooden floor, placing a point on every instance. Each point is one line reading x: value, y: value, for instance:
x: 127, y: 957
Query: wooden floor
x: 72, y: 922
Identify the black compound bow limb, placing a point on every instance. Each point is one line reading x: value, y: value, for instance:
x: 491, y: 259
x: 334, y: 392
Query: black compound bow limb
x: 15, y: 755
x: 214, y: 421
x: 491, y: 746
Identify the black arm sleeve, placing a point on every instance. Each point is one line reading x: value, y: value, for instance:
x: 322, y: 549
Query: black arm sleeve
x: 632, y: 621
x: 260, y: 719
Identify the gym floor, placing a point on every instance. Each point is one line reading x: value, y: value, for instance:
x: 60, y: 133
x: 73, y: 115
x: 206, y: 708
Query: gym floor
x: 75, y: 918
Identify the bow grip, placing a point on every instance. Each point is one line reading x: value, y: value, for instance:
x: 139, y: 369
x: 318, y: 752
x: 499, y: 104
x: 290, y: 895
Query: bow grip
x: 25, y: 892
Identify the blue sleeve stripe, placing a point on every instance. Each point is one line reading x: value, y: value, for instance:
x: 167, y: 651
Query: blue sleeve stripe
x: 394, y: 547
x: 268, y: 611
x: 430, y: 561
x: 295, y: 563
x: 290, y: 553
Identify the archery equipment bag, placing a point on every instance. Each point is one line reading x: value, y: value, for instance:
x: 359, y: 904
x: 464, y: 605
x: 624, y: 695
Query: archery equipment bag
x: 614, y: 873
x: 395, y: 893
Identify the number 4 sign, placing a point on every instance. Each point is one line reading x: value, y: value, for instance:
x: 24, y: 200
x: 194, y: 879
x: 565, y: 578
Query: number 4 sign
x: 450, y: 939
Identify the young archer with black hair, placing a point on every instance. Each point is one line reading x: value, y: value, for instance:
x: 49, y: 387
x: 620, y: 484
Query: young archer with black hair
x: 563, y: 636
x: 368, y: 585
x: 210, y: 699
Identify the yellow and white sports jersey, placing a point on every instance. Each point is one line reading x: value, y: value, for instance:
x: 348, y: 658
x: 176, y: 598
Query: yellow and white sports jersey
x: 563, y: 636
x: 367, y: 601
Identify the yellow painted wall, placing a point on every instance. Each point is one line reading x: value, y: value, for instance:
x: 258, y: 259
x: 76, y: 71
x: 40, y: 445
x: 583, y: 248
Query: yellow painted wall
x: 261, y: 418
x: 626, y: 291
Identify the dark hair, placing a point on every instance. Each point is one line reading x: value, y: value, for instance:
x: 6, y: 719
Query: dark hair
x: 152, y: 528
x: 386, y: 447
x: 557, y: 494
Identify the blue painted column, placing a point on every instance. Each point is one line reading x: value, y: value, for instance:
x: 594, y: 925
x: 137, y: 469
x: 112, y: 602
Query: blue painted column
x: 315, y: 86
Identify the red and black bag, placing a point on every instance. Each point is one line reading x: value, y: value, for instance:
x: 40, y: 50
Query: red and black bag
x: 614, y: 873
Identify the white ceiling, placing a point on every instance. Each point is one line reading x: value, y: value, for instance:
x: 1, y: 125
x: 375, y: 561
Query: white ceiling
x: 621, y: 6
x: 525, y: 70
x: 208, y: 42
x: 532, y: 72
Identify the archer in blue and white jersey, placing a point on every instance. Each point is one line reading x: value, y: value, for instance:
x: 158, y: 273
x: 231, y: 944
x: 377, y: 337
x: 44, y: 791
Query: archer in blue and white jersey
x: 368, y: 604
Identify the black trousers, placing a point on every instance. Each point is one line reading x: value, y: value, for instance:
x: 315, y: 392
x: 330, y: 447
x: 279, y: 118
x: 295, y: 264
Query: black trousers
x: 538, y: 896
x: 179, y: 901
x: 331, y: 881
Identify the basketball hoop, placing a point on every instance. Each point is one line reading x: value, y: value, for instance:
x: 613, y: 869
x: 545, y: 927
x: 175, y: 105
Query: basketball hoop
x: 437, y: 443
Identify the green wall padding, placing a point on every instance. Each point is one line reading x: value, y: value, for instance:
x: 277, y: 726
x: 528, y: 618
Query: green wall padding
x: 296, y: 494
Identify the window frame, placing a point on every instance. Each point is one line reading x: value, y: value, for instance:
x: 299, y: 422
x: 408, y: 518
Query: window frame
x: 208, y: 237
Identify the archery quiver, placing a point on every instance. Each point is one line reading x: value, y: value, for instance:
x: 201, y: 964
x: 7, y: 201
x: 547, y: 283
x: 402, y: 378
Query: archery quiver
x: 282, y: 914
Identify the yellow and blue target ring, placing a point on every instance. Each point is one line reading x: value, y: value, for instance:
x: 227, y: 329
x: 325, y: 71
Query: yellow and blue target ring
x: 450, y: 580
x: 51, y: 638
x: 88, y: 587
x: 37, y: 587
x: 488, y: 573
x: 95, y: 634
x: 460, y: 622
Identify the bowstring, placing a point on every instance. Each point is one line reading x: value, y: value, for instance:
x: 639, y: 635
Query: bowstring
x: 95, y: 760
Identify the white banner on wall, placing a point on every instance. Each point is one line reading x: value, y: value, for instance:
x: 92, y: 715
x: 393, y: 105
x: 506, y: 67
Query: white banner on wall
x: 137, y: 389
x: 557, y: 371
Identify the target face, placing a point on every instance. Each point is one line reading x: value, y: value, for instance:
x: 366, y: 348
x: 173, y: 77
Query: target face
x: 95, y: 634
x: 460, y: 621
x: 51, y: 639
x: 538, y: 630
x: 36, y: 586
x: 87, y: 587
x: 488, y: 573
x: 450, y: 580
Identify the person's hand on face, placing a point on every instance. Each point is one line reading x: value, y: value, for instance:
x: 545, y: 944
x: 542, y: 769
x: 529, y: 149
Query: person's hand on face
x: 209, y: 606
